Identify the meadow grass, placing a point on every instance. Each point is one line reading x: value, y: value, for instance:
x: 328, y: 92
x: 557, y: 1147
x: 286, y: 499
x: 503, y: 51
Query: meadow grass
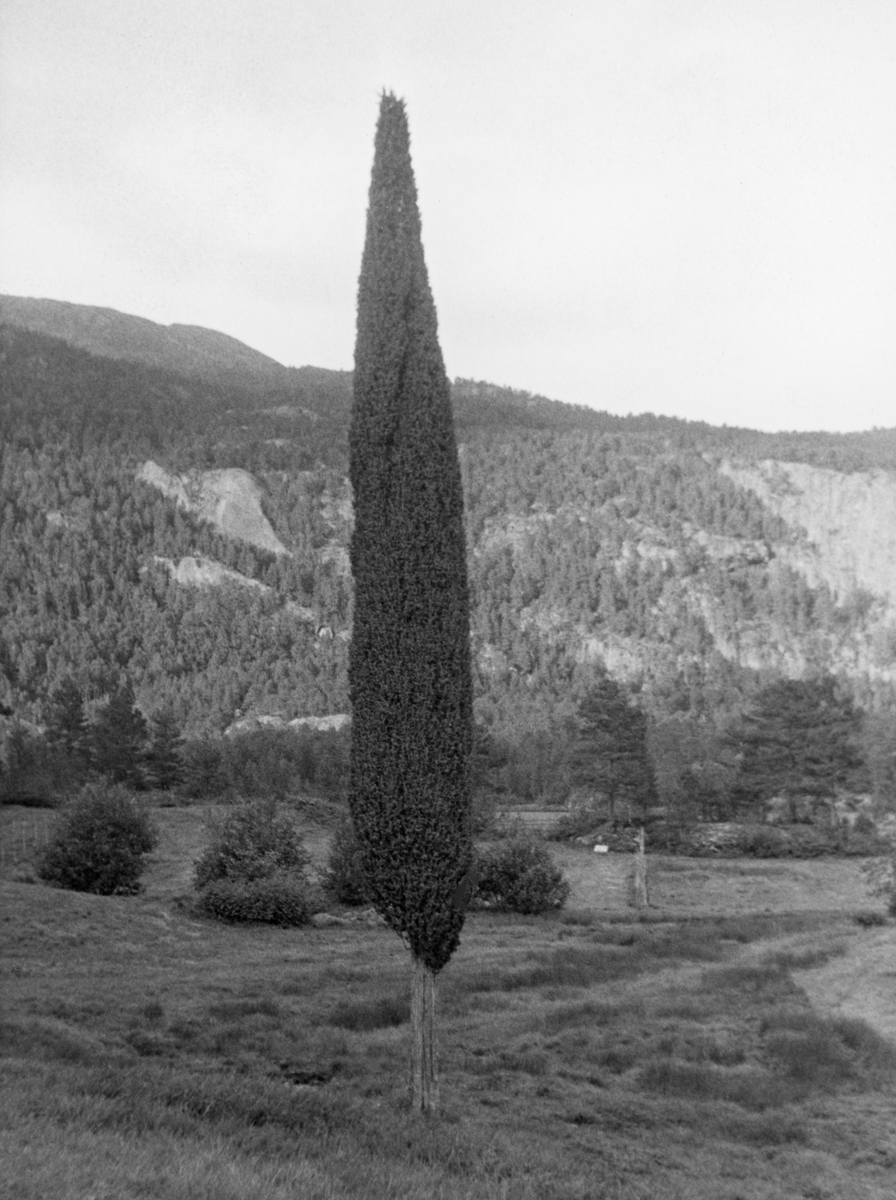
x: 149, y: 1053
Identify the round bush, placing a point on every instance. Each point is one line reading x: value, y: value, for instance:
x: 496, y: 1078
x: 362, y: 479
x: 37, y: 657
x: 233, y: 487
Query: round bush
x: 520, y: 876
x: 345, y: 875
x: 99, y: 843
x: 252, y: 843
x: 275, y: 900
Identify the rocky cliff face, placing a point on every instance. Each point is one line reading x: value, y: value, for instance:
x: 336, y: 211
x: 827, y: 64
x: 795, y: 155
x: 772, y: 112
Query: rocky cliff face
x: 844, y: 525
x: 817, y: 593
x: 229, y: 499
x: 839, y: 536
x: 842, y: 535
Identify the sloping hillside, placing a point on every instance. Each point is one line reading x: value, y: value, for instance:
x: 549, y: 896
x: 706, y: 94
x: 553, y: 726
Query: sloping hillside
x: 695, y: 562
x: 188, y: 349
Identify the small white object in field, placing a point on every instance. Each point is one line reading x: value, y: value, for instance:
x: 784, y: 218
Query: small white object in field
x: 600, y: 849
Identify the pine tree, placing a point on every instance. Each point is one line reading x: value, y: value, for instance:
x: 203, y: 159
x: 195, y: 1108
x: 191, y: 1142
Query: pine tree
x: 119, y: 738
x: 164, y: 753
x: 610, y: 755
x: 801, y: 738
x: 409, y: 664
x: 66, y: 724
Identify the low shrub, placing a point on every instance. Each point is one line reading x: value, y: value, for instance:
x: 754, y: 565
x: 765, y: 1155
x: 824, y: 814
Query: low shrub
x: 733, y: 840
x: 579, y: 822
x: 99, y: 844
x: 668, y: 836
x: 520, y: 876
x: 863, y: 845
x: 869, y: 918
x: 764, y: 841
x: 252, y: 843
x: 810, y: 1053
x: 587, y: 822
x: 254, y: 870
x: 344, y: 879
x: 277, y: 899
x: 870, y: 1049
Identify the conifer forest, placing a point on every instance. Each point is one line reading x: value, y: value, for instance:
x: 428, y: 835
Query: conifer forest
x: 694, y: 565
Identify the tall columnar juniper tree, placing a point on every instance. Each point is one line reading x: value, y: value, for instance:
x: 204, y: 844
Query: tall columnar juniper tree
x: 409, y: 663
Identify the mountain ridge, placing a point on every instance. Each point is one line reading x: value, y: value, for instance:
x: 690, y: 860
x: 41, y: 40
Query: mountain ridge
x: 106, y: 332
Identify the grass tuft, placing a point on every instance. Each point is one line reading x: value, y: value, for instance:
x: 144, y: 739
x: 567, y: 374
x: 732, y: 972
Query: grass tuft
x: 590, y: 1013
x: 579, y: 916
x: 380, y: 1012
x: 869, y: 1047
x: 751, y: 1087
x: 248, y: 1007
x: 744, y: 977
x: 48, y: 1039
x: 773, y: 1128
x: 824, y: 1053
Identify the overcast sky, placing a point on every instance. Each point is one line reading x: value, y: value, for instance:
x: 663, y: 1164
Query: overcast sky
x: 677, y: 206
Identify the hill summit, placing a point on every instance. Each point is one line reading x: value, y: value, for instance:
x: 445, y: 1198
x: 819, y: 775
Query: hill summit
x: 189, y: 349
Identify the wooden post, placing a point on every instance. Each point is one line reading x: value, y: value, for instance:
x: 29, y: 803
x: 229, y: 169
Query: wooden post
x: 424, y: 1062
x: 640, y: 878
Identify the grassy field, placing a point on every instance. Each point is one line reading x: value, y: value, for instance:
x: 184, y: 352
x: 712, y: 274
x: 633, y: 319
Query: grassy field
x: 586, y: 1054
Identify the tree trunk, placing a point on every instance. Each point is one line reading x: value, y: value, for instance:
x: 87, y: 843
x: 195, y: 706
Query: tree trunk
x: 641, y: 872
x: 424, y: 1063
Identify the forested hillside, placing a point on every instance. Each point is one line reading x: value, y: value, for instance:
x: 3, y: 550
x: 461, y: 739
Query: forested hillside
x: 641, y: 543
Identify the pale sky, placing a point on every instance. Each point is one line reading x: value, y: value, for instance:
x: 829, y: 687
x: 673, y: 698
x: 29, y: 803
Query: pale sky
x: 679, y: 206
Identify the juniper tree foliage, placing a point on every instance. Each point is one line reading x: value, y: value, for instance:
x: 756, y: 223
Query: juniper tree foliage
x: 409, y: 664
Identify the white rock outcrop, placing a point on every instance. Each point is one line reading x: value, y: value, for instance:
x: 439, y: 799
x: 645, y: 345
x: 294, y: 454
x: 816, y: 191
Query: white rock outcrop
x: 197, y: 571
x: 327, y: 723
x: 229, y: 499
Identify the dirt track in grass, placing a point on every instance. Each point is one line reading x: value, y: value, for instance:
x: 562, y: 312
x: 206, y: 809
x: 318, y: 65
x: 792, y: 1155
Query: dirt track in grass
x: 859, y: 983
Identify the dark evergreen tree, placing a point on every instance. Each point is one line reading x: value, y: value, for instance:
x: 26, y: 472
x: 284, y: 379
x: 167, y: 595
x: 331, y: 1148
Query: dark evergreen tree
x: 67, y: 729
x: 164, y: 758
x: 119, y: 738
x: 409, y: 665
x: 800, y: 739
x: 610, y: 755
x: 26, y: 775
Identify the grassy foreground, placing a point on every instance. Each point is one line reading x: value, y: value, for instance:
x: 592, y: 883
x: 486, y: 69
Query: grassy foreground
x: 584, y: 1055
